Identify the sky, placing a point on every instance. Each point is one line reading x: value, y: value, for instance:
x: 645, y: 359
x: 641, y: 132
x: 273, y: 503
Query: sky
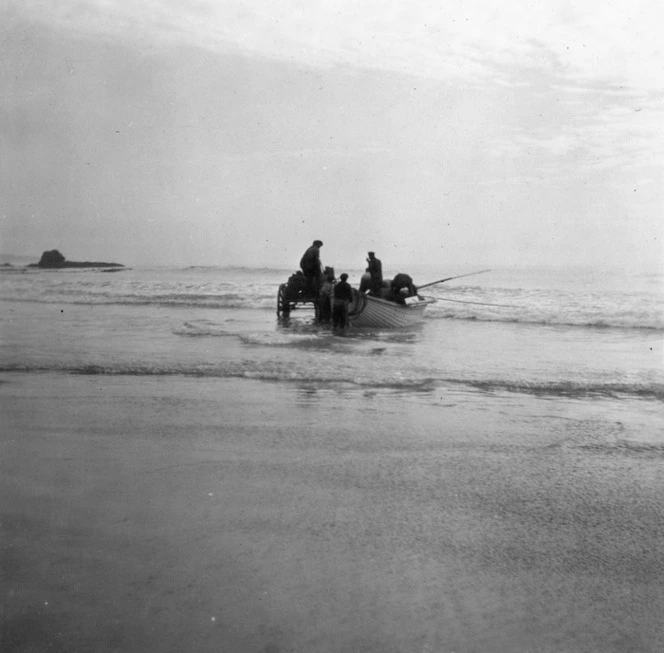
x: 210, y: 132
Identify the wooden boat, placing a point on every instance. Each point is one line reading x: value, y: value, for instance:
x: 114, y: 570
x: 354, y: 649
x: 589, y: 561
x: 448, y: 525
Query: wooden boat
x: 377, y: 313
x: 364, y: 310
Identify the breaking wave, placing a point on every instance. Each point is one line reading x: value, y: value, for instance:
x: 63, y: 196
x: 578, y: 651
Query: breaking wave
x: 284, y: 372
x: 568, y: 389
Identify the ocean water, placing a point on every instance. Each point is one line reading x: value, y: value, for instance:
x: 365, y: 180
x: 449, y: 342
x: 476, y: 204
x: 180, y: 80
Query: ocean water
x: 550, y: 333
x: 182, y: 470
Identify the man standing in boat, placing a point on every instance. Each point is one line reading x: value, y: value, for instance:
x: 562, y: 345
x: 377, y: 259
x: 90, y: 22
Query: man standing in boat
x: 311, y: 266
x: 376, y: 271
x: 343, y: 295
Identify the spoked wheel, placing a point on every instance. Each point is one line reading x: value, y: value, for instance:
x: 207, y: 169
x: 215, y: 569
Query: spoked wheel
x: 283, y: 305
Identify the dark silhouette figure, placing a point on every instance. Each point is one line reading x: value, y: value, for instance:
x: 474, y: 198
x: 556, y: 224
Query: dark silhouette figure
x: 311, y: 267
x: 376, y: 271
x: 343, y: 295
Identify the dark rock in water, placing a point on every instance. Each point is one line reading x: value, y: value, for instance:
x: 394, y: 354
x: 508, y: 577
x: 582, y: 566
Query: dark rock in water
x: 54, y: 260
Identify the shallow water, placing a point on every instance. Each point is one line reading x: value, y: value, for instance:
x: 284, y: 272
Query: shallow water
x: 180, y: 470
x: 152, y: 338
x: 91, y: 323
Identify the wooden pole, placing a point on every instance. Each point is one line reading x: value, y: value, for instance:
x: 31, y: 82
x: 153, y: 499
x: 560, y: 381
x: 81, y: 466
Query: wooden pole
x: 470, y: 274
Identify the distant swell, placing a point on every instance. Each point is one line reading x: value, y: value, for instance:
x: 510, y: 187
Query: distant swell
x: 612, y: 323
x: 225, y: 301
x: 277, y: 273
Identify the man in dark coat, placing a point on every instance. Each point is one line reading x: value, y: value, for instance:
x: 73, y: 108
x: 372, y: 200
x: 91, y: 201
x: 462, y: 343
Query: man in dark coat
x: 343, y: 295
x: 376, y: 271
x: 311, y: 267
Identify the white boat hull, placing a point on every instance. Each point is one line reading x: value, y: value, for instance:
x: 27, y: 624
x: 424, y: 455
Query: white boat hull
x: 373, y: 312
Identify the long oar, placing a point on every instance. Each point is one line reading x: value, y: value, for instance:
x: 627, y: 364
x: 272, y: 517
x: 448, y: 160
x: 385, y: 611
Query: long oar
x: 470, y: 274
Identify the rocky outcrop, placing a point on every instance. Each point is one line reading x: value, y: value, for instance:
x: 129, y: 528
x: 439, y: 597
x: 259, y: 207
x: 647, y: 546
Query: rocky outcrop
x: 54, y: 260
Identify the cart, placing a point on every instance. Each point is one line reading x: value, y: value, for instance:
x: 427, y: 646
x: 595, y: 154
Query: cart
x: 295, y: 293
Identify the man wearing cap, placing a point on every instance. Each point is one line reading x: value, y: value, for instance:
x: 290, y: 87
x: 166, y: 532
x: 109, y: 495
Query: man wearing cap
x: 311, y: 266
x: 343, y: 295
x: 376, y: 271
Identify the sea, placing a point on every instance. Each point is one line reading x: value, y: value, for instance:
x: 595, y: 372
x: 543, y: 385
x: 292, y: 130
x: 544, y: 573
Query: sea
x: 552, y: 333
x: 181, y: 469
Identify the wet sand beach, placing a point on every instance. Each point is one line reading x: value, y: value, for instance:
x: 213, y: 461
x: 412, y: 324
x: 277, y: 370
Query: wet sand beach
x: 185, y: 514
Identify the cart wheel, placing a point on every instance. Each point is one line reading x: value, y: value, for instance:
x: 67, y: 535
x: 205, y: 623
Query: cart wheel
x: 283, y: 305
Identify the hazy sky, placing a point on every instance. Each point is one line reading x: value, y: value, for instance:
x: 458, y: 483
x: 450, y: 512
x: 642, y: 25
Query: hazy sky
x: 236, y: 132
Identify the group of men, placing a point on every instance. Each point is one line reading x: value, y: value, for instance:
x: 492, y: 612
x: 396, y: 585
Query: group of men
x: 322, y: 284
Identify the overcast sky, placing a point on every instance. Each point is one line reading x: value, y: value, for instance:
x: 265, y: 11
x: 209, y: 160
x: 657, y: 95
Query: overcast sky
x: 236, y: 132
